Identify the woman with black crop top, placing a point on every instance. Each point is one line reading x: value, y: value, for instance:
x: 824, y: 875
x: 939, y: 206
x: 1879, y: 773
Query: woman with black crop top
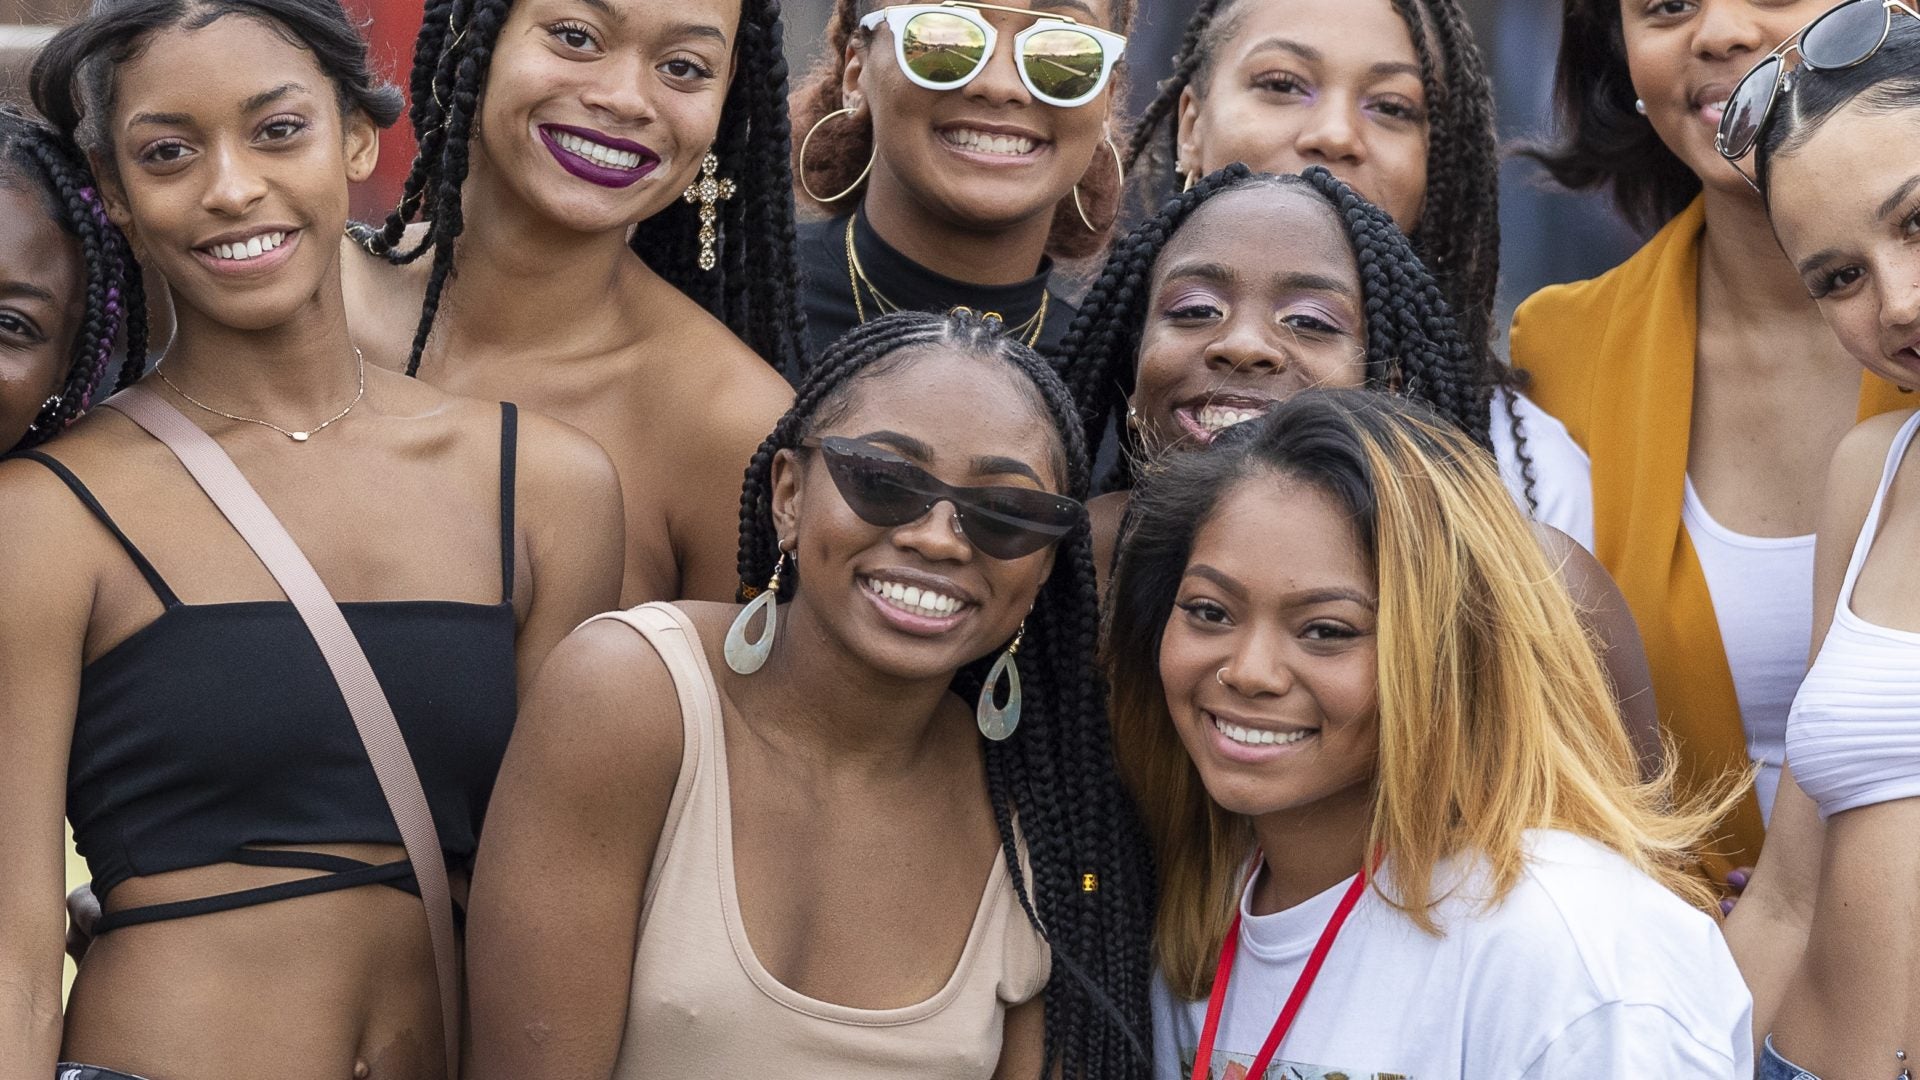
x: 212, y: 770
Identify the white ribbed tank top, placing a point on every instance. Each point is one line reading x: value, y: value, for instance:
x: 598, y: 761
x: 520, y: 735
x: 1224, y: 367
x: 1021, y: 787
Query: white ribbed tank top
x: 1853, y: 737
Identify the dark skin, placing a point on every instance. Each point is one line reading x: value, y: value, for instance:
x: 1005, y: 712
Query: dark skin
x: 548, y: 306
x: 1224, y: 343
x: 218, y: 133
x: 968, y: 214
x: 862, y: 833
x: 40, y: 305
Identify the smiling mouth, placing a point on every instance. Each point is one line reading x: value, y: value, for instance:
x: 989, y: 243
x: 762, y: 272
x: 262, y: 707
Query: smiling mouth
x: 1207, y: 420
x: 987, y: 142
x: 913, y: 600
x: 598, y: 153
x: 242, y: 250
x: 1247, y: 736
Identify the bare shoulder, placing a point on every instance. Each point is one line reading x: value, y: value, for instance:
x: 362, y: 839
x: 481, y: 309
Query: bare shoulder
x: 558, y: 462
x: 1858, y: 462
x: 605, y: 687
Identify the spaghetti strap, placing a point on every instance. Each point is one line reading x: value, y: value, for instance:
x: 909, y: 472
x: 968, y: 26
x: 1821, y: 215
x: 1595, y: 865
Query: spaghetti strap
x: 1870, y: 528
x: 154, y: 580
x: 509, y: 438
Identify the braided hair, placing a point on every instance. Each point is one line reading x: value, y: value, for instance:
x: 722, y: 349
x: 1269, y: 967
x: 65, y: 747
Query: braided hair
x: 1413, y: 343
x: 1056, y: 772
x: 34, y: 155
x: 1459, y: 233
x: 754, y: 288
x: 841, y: 148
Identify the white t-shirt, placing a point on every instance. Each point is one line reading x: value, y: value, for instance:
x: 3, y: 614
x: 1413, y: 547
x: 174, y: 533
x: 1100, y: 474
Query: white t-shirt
x: 1762, y: 590
x: 1562, y: 472
x: 1588, y: 969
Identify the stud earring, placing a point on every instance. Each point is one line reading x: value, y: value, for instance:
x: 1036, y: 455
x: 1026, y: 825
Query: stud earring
x: 998, y: 721
x: 1120, y: 168
x: 49, y: 409
x: 1640, y: 106
x: 746, y: 657
x: 709, y: 191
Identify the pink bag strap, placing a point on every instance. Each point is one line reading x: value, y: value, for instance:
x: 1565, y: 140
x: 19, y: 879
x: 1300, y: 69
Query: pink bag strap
x: 230, y: 492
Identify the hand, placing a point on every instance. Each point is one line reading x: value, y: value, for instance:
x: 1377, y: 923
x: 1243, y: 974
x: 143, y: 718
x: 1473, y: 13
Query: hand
x: 1737, y: 880
x: 83, y: 910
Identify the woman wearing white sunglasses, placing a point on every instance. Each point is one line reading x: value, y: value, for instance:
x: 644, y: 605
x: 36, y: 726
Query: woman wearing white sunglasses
x: 958, y: 148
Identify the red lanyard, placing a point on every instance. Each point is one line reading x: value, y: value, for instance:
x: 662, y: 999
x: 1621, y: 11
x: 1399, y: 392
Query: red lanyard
x: 1203, y: 1056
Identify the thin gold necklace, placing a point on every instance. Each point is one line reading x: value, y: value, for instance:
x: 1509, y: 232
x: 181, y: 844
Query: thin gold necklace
x: 857, y: 276
x: 296, y: 436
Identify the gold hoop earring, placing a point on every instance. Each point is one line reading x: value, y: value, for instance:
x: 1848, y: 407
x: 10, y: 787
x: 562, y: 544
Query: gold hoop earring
x: 1118, y: 167
x: 801, y: 172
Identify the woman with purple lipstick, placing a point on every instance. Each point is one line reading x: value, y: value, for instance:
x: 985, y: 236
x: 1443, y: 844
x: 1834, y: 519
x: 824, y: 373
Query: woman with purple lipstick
x: 560, y: 139
x: 959, y: 148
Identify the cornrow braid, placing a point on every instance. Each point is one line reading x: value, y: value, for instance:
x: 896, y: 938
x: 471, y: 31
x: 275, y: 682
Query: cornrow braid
x: 1459, y: 233
x: 755, y: 287
x: 115, y: 307
x: 1413, y: 343
x: 841, y: 148
x: 1057, y: 772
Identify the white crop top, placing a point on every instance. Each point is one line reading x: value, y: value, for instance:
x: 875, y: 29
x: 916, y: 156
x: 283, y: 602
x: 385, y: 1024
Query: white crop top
x: 1853, y: 737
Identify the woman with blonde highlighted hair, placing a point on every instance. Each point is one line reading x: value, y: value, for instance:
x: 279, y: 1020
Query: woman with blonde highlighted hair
x: 1385, y: 778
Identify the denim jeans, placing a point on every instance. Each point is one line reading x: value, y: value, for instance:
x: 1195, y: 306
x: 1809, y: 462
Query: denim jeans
x: 1775, y: 1067
x: 68, y: 1070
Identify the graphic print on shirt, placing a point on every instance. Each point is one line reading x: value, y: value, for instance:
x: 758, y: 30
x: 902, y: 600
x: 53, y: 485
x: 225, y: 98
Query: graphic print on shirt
x: 1231, y: 1066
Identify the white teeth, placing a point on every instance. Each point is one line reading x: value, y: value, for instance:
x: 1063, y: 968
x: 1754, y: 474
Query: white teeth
x: 1257, y: 737
x: 1220, y: 417
x: 1011, y: 145
x: 923, y: 602
x: 593, y: 151
x: 251, y: 248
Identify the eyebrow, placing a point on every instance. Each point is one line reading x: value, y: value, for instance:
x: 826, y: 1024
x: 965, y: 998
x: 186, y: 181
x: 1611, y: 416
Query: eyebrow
x: 1316, y: 596
x: 1894, y: 200
x: 257, y: 101
x: 995, y: 465
x: 1055, y: 5
x: 1208, y: 270
x: 1220, y: 578
x: 619, y: 18
x: 1314, y: 56
x: 21, y: 288
x: 906, y: 444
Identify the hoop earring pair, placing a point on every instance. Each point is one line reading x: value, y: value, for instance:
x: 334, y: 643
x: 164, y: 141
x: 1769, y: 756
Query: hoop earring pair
x: 1119, y: 167
x: 800, y: 169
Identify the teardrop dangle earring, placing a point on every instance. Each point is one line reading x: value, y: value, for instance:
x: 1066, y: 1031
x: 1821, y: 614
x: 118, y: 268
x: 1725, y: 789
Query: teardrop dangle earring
x: 998, y: 721
x: 746, y: 657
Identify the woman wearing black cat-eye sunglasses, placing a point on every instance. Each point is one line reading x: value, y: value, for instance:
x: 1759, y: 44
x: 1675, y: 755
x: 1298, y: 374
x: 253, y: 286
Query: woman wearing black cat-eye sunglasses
x: 785, y: 815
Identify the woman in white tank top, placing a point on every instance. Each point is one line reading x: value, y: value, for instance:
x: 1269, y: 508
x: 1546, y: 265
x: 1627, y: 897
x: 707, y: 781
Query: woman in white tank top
x: 1827, y: 936
x: 824, y: 849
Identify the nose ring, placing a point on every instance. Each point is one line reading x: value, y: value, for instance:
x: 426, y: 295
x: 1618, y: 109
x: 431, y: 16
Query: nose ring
x: 1220, y: 676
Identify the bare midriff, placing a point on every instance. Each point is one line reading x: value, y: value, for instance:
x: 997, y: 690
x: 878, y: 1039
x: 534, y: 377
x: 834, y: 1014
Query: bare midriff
x: 1855, y: 1000
x: 324, y: 987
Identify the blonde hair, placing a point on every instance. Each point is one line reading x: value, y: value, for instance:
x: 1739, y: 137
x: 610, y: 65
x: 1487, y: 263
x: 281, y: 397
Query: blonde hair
x: 1495, y: 716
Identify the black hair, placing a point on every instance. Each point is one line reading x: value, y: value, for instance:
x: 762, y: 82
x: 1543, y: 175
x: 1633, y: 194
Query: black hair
x: 35, y: 156
x: 1056, y: 772
x: 1459, y: 233
x: 1887, y: 81
x: 73, y: 82
x: 1605, y: 143
x: 754, y: 289
x: 1413, y: 343
x: 842, y: 147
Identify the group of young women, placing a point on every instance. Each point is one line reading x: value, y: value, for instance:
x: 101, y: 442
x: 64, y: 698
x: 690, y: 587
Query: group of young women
x: 871, y: 654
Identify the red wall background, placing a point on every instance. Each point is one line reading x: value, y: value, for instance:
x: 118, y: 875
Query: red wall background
x: 390, y: 33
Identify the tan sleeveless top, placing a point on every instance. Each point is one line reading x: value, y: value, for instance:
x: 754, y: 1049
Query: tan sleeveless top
x: 700, y: 1003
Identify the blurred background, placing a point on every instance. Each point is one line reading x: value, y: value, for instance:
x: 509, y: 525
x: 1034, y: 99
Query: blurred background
x: 1546, y: 235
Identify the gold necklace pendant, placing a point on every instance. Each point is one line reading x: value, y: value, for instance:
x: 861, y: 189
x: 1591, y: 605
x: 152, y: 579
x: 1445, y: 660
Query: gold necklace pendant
x: 857, y: 277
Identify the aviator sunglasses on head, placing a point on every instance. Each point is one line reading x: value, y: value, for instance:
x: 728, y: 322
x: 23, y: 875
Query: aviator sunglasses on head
x: 887, y: 490
x: 1846, y: 35
x: 1062, y: 61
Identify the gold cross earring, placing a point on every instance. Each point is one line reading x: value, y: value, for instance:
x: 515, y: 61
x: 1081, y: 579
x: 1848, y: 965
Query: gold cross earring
x: 709, y: 191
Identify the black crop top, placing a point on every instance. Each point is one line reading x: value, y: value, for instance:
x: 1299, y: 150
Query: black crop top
x: 218, y: 727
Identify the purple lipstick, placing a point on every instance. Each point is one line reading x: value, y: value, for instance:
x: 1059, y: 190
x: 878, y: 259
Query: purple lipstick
x: 574, y: 148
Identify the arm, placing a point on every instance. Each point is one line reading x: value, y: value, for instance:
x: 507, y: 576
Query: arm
x: 1628, y: 1040
x: 1768, y: 928
x: 570, y: 836
x: 574, y: 533
x: 1609, y: 622
x: 46, y: 600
